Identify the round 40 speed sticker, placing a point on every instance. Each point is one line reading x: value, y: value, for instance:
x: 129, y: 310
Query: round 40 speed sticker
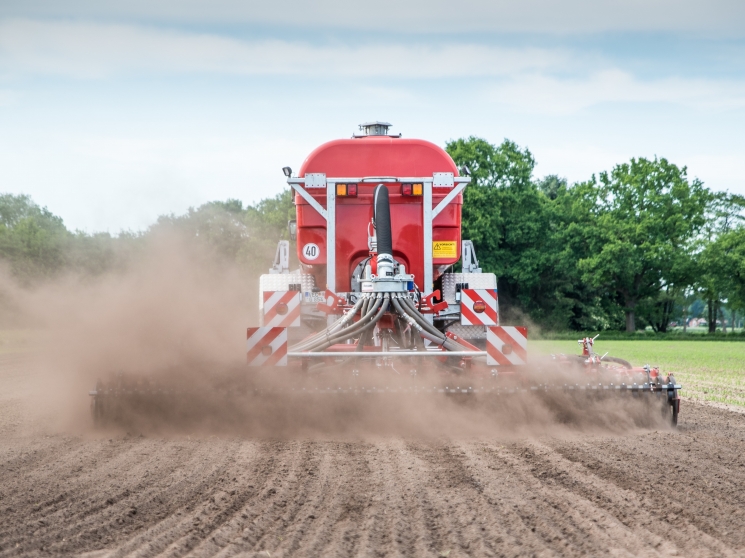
x: 311, y: 251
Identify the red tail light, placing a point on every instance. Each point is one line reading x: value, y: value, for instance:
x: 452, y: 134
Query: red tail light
x: 346, y: 190
x: 415, y: 189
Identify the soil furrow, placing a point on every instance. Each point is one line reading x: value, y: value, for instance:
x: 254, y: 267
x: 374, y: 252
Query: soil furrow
x: 563, y: 491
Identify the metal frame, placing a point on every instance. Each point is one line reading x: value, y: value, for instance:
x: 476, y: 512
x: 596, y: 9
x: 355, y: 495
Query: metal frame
x: 331, y: 235
x: 428, y: 218
x: 429, y: 214
x: 457, y: 189
x: 468, y: 256
x: 343, y: 354
x: 281, y: 258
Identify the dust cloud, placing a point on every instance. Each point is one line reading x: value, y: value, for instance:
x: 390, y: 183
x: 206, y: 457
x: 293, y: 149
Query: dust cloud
x: 174, y: 323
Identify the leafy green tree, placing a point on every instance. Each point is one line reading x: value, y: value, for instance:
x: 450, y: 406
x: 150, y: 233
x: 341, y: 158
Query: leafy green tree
x: 648, y: 215
x: 573, y: 226
x: 552, y: 185
x: 725, y: 213
x: 32, y: 240
x: 244, y: 235
x: 724, y: 279
x: 503, y: 214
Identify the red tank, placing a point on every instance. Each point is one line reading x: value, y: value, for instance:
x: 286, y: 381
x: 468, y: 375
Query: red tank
x: 378, y: 157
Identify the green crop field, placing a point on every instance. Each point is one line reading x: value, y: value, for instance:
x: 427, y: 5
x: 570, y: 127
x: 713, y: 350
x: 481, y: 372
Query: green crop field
x: 709, y: 371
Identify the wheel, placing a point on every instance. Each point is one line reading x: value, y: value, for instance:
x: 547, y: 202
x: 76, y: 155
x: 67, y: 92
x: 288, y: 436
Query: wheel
x: 670, y: 411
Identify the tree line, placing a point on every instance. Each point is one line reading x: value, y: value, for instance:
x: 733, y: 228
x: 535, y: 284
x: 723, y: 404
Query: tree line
x: 35, y: 245
x: 629, y: 248
x: 636, y: 246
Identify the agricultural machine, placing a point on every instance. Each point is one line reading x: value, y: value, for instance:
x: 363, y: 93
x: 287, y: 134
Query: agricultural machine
x: 377, y: 293
x: 378, y: 232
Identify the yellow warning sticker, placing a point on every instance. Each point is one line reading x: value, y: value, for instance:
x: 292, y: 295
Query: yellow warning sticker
x: 444, y: 249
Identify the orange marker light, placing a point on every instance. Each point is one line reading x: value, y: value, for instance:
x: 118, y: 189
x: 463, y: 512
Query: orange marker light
x: 417, y: 189
x: 341, y: 189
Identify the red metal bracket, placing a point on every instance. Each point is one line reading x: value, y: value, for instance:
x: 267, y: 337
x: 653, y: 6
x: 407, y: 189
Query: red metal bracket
x: 462, y: 342
x: 432, y: 307
x: 333, y: 305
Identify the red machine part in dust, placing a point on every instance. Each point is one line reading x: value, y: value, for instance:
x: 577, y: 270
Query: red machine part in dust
x: 479, y: 307
x: 281, y: 309
x: 266, y: 346
x: 506, y: 345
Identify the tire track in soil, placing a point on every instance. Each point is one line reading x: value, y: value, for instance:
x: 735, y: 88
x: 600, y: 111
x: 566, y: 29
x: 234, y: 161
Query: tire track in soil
x: 568, y: 522
x: 258, y: 514
x: 643, y: 493
x: 118, y: 513
x: 451, y: 493
x: 335, y: 503
x: 628, y: 508
x: 185, y: 514
x: 85, y: 483
x: 484, y: 518
x: 691, y: 484
x: 401, y: 525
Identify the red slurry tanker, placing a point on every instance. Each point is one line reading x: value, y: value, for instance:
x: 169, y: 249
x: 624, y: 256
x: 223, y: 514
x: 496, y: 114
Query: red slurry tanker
x: 378, y: 234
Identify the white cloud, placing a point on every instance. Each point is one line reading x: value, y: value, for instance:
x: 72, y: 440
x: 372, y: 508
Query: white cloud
x: 96, y: 50
x: 413, y: 17
x: 535, y: 93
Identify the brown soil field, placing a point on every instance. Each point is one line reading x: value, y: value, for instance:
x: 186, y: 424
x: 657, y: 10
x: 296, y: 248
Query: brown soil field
x: 66, y: 489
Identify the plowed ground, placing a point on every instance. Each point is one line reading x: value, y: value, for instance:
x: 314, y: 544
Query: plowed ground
x: 638, y: 493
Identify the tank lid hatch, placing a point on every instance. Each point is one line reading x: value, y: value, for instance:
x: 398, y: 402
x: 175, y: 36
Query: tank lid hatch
x: 374, y: 129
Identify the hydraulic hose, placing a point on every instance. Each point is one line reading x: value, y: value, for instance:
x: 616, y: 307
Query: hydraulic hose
x: 384, y: 259
x: 365, y: 320
x: 323, y: 336
x: 349, y: 315
x: 443, y: 340
x: 379, y: 307
x: 383, y: 220
x: 411, y: 321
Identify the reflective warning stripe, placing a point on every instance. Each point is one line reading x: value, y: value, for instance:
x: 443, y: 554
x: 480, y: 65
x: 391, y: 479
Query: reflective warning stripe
x: 490, y: 314
x: 506, y: 345
x: 288, y: 302
x: 274, y: 339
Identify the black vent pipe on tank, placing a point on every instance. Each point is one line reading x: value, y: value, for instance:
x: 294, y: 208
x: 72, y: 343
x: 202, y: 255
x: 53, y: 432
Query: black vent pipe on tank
x: 383, y: 232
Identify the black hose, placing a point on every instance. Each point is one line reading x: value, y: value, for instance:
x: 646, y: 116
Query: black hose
x: 445, y: 341
x: 383, y: 220
x: 380, y: 305
x: 331, y: 337
x: 359, y: 327
x: 300, y: 346
x: 404, y: 312
x: 410, y: 309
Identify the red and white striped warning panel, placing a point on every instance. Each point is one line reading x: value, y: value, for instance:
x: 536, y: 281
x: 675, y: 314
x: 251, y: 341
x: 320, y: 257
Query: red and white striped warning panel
x: 281, y: 309
x: 479, y: 307
x: 267, y: 346
x: 506, y: 345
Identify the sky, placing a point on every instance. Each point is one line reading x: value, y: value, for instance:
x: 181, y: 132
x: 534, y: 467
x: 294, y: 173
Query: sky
x: 113, y: 113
